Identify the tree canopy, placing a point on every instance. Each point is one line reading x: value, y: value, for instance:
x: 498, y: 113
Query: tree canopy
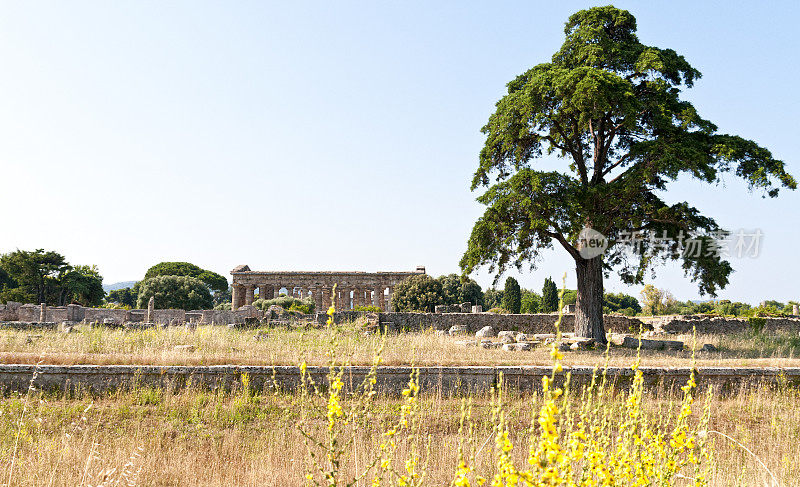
x: 215, y: 282
x: 41, y: 276
x: 175, y: 292
x: 610, y: 107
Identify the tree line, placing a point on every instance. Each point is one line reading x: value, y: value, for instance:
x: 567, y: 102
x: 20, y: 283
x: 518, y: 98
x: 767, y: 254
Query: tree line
x: 40, y: 276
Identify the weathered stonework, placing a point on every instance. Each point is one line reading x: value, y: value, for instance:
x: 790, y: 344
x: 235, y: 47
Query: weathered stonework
x: 389, y: 380
x: 352, y: 288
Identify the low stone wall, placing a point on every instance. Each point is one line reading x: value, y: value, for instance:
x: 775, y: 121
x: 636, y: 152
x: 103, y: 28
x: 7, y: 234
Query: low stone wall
x: 526, y: 323
x: 390, y: 380
x: 713, y: 325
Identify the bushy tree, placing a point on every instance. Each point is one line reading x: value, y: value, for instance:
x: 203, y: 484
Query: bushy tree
x: 616, y: 302
x: 611, y: 108
x: 549, y: 296
x: 451, y: 288
x: 531, y: 302
x: 512, y: 296
x: 214, y: 281
x: 82, y: 285
x: 175, y: 292
x: 417, y: 293
x: 457, y: 289
x: 493, y: 298
x: 125, y: 296
x: 471, y: 292
x: 41, y: 276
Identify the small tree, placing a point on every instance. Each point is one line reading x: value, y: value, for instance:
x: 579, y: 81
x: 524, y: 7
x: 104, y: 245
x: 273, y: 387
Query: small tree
x: 175, y: 292
x: 512, y: 296
x: 417, y: 293
x: 493, y: 298
x: 531, y: 302
x: 549, y: 296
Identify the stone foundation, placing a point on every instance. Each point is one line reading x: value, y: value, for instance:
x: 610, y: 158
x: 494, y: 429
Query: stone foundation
x: 390, y: 380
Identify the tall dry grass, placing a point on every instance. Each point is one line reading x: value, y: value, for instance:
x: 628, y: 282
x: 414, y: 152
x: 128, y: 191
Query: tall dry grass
x: 215, y: 345
x: 204, y: 438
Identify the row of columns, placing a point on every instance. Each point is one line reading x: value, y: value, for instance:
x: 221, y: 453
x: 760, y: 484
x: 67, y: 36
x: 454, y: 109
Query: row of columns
x: 245, y: 295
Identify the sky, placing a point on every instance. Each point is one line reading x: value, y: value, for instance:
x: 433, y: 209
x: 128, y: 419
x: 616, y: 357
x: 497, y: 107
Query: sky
x: 338, y: 135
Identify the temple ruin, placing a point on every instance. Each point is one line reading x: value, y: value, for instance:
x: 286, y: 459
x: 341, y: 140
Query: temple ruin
x: 353, y: 289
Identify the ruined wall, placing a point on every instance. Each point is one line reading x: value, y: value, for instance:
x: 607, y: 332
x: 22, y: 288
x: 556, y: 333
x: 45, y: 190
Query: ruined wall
x: 710, y: 325
x: 9, y: 311
x: 527, y: 323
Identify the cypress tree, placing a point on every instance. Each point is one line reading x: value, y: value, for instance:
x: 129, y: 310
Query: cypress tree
x: 549, y: 296
x: 512, y: 296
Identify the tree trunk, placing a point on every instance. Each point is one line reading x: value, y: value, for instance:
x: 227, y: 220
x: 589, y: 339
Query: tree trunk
x: 589, y: 304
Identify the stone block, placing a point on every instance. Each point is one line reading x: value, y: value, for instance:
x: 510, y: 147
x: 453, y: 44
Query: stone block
x: 485, y: 332
x: 458, y: 330
x: 477, y: 309
x: 631, y: 342
x: 506, y: 336
x: 440, y: 308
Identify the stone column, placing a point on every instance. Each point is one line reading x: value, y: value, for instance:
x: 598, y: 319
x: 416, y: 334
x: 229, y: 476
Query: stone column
x: 325, y: 295
x: 316, y: 293
x: 236, y: 291
x: 302, y: 291
x: 151, y: 305
x: 794, y: 309
x: 389, y: 299
x: 277, y: 291
x: 42, y: 313
x: 248, y: 294
x: 266, y: 291
x: 377, y: 299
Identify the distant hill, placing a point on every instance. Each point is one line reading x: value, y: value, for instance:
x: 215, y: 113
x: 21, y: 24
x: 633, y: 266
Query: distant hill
x: 118, y: 285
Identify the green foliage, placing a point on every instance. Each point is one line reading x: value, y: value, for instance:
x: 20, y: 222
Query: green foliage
x: 83, y: 285
x: 457, y: 289
x: 175, y: 292
x: 512, y: 296
x: 125, y: 296
x: 499, y: 311
x: 549, y: 296
x: 224, y: 306
x: 45, y: 276
x: 305, y: 305
x: 493, y: 298
x: 617, y: 302
x: 570, y: 296
x: 531, y: 302
x: 757, y: 324
x: 610, y: 107
x: 368, y: 309
x: 417, y: 293
x: 214, y: 281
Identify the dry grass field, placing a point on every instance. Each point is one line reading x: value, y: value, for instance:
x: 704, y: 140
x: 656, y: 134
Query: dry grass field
x: 200, y: 438
x: 197, y: 437
x: 214, y: 345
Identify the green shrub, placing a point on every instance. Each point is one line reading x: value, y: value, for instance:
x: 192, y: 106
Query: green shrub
x: 368, y: 309
x: 305, y: 305
x: 757, y: 324
x: 499, y: 311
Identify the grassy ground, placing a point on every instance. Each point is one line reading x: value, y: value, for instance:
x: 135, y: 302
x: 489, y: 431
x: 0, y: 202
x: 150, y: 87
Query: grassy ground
x: 196, y: 438
x: 219, y: 345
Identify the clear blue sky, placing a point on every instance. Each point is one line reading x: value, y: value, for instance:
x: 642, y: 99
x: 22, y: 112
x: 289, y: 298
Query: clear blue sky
x: 335, y: 135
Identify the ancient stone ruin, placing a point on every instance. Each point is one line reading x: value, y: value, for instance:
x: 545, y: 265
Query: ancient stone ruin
x: 353, y: 289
